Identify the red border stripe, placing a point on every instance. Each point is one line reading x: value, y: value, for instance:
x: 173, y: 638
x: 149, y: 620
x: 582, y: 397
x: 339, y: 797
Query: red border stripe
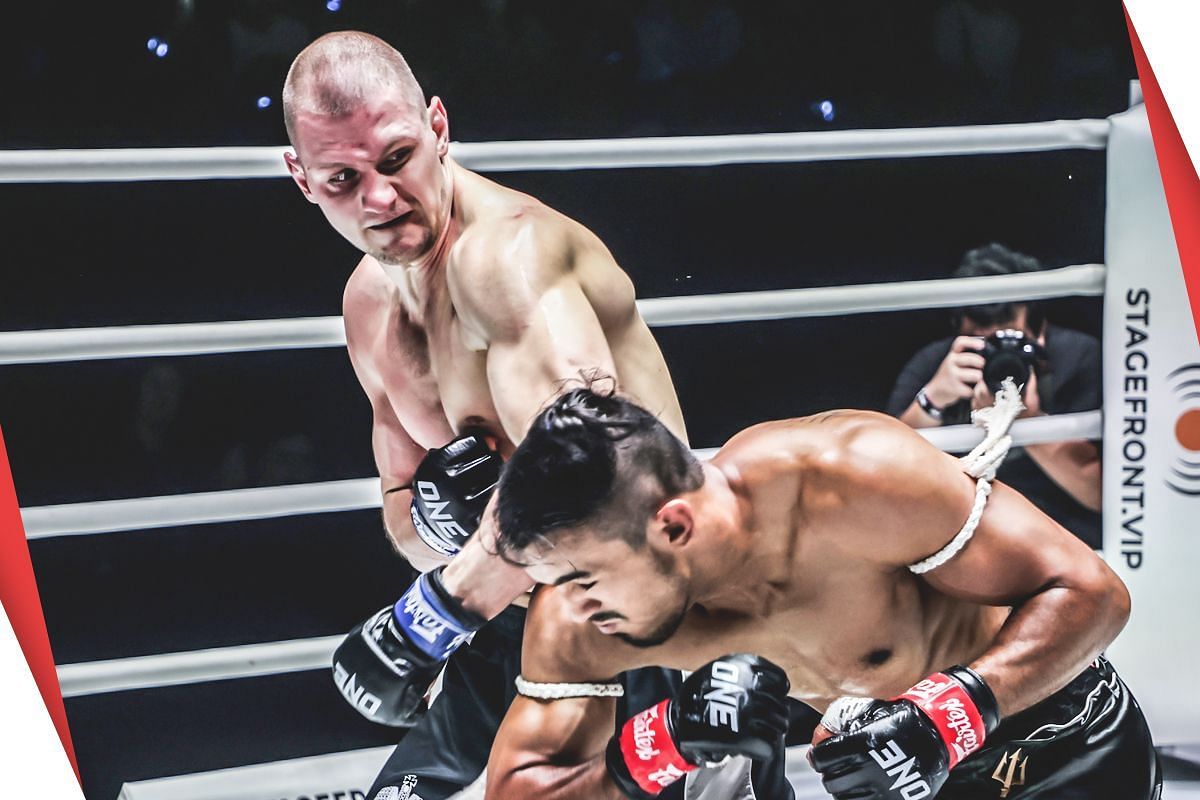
x: 1178, y: 175
x: 19, y: 595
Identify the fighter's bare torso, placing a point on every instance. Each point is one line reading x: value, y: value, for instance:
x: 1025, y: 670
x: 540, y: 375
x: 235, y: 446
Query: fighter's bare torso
x: 415, y: 329
x: 837, y: 623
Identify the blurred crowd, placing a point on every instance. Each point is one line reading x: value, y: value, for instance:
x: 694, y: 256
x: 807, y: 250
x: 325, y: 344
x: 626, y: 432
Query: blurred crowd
x: 209, y: 71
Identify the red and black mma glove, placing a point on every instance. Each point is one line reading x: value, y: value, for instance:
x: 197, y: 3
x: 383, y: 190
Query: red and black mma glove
x: 734, y: 706
x: 904, y: 748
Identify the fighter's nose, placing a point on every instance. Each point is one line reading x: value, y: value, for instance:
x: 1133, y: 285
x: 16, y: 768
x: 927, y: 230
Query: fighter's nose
x: 583, y: 608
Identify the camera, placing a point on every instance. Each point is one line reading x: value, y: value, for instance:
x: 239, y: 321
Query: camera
x: 1010, y: 354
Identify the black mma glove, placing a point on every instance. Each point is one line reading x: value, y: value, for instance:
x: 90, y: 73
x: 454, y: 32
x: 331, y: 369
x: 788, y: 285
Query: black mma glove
x: 905, y: 748
x: 385, y: 666
x: 450, y: 489
x: 733, y: 706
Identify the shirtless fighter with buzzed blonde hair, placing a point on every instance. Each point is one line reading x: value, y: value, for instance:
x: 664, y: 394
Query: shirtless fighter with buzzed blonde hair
x: 472, y: 306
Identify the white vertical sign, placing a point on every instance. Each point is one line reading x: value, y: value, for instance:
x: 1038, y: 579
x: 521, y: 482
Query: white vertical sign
x: 1151, y: 437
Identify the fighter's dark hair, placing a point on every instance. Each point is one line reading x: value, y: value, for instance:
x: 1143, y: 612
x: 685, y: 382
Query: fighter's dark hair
x: 592, y: 458
x: 996, y: 259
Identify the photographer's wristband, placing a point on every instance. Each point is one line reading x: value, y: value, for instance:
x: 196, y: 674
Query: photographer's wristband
x: 927, y: 405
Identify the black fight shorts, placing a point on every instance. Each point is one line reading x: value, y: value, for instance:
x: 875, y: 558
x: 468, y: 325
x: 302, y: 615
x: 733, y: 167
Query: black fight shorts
x: 1087, y: 741
x: 449, y: 747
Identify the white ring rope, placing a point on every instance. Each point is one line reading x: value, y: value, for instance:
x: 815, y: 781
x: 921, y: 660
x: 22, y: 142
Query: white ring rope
x: 202, y: 508
x: 209, y: 163
x: 197, y: 666
x: 981, y: 463
x: 271, y: 657
x: 205, y: 163
x: 206, y: 338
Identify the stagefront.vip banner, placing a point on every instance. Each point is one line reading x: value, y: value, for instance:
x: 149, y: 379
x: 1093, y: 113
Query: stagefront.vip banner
x: 1151, y: 433
x: 1152, y: 380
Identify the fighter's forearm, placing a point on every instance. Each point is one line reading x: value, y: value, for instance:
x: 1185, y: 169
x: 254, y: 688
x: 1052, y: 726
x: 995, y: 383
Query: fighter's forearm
x: 1074, y: 465
x: 480, y: 579
x: 398, y: 522
x: 544, y: 780
x: 1050, y: 638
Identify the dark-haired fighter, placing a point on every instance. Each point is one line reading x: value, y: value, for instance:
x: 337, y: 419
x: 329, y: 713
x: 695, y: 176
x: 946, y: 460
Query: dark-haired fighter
x: 801, y: 542
x: 472, y: 305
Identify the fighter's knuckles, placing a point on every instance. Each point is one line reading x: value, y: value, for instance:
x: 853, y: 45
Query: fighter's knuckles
x: 836, y: 754
x: 820, y: 735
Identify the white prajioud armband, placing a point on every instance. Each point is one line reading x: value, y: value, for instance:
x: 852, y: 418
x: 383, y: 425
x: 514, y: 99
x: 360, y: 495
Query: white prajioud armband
x: 981, y: 464
x: 563, y: 691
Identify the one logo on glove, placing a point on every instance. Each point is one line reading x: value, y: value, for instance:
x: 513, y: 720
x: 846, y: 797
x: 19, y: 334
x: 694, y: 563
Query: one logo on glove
x: 448, y: 531
x: 722, y: 700
x: 357, y: 696
x: 428, y: 536
x: 899, y: 765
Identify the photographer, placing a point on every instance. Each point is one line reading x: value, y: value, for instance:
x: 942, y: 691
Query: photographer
x: 945, y: 380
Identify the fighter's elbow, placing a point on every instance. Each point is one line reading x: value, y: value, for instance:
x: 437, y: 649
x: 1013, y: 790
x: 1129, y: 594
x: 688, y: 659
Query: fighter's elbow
x: 500, y: 784
x: 1120, y: 605
x: 1110, y: 601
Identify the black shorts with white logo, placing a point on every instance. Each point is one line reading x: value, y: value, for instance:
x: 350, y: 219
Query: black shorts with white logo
x: 449, y: 747
x: 1088, y: 740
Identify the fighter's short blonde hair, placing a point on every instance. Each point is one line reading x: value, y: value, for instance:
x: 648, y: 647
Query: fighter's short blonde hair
x: 340, y: 70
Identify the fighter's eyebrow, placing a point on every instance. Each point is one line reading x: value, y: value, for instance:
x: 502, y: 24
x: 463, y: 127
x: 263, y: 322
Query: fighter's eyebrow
x: 334, y: 165
x: 570, y: 576
x: 399, y: 143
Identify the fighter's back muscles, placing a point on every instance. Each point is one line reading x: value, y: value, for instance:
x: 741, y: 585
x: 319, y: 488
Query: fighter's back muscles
x: 893, y: 499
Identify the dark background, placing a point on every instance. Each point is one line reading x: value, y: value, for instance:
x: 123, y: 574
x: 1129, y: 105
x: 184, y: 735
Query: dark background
x: 81, y: 75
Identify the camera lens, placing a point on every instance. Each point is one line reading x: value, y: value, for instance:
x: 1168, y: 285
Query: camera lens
x: 1005, y: 363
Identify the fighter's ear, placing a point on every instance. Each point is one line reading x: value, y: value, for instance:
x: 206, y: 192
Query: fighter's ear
x: 440, y: 124
x: 298, y: 175
x: 675, y: 521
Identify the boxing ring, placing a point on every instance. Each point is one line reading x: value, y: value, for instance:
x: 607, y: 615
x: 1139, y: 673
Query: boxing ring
x: 356, y: 768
